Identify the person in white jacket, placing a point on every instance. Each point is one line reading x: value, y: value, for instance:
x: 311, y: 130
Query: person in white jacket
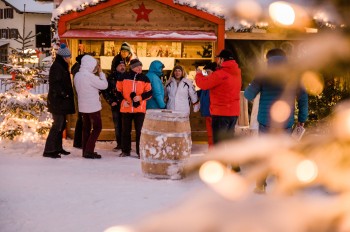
x: 180, y: 92
x: 88, y: 82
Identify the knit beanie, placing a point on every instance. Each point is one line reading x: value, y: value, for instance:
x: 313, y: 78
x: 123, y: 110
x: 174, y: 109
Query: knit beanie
x: 64, y: 51
x: 134, y: 63
x: 178, y: 67
x: 125, y: 46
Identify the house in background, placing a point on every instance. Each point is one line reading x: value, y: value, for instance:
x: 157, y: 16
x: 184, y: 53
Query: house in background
x: 37, y: 19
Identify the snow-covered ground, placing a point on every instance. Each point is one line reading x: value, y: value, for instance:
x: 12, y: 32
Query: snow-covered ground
x: 73, y: 194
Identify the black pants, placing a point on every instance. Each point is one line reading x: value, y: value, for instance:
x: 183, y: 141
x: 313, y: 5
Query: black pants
x: 117, y: 120
x: 223, y: 127
x: 54, y: 139
x: 92, y: 127
x: 127, y: 119
x: 78, y: 132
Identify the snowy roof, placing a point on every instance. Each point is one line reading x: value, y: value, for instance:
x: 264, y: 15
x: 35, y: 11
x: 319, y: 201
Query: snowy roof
x: 220, y: 8
x: 256, y: 9
x: 32, y: 6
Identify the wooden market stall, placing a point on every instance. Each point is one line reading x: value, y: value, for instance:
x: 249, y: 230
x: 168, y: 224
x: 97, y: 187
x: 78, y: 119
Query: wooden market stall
x: 156, y: 29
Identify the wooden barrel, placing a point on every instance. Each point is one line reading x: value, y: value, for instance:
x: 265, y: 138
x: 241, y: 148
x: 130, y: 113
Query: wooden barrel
x: 165, y: 144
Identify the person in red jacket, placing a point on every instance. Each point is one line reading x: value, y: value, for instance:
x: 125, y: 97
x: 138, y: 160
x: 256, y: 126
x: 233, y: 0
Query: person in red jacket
x: 225, y: 86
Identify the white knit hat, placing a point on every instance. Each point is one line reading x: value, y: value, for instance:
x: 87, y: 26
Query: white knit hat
x: 64, y: 51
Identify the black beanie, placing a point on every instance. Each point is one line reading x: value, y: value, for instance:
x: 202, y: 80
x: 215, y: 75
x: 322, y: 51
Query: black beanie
x: 134, y: 63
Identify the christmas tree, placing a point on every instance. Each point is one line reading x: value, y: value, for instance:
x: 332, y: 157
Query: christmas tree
x: 23, y: 115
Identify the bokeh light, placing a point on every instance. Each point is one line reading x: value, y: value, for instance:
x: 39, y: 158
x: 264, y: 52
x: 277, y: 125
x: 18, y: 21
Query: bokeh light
x: 306, y: 171
x: 341, y: 123
x: 119, y: 229
x: 211, y: 172
x: 313, y: 82
x: 282, y: 13
x: 248, y: 9
x: 232, y: 187
x: 280, y: 111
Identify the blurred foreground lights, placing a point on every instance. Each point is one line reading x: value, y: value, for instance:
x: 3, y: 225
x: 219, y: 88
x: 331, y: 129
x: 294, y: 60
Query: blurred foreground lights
x: 306, y: 171
x: 342, y: 122
x: 227, y: 184
x: 312, y: 82
x: 280, y: 111
x: 282, y: 13
x: 119, y: 229
x: 248, y: 9
x: 212, y: 172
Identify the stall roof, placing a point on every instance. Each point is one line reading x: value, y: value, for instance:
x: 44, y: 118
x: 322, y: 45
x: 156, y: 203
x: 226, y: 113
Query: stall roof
x: 138, y: 34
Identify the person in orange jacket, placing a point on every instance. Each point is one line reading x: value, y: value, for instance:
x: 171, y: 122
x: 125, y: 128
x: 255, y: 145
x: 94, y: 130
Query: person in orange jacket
x: 225, y: 86
x: 133, y: 90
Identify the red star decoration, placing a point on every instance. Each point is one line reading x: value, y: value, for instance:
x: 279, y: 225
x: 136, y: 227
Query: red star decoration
x: 142, y: 13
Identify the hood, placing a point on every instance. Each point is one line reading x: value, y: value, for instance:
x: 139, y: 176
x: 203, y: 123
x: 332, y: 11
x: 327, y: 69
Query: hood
x: 156, y: 67
x: 88, y: 63
x: 230, y: 66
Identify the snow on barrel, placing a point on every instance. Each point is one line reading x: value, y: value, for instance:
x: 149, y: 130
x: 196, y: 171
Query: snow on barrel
x: 165, y: 144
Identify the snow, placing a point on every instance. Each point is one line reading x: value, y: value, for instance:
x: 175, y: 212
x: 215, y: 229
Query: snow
x: 215, y: 7
x: 32, y: 6
x: 76, y: 194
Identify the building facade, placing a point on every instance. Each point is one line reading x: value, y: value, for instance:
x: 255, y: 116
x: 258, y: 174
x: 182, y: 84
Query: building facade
x: 24, y: 19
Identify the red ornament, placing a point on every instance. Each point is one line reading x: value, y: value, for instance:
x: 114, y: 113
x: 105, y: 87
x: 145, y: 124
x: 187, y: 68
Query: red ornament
x: 38, y: 52
x: 29, y: 86
x: 142, y: 13
x: 13, y: 75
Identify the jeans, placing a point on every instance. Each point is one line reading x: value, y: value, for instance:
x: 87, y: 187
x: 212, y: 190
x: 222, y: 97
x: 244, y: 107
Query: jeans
x: 54, y: 139
x: 223, y: 127
x: 92, y: 127
x: 117, y: 120
x: 127, y: 119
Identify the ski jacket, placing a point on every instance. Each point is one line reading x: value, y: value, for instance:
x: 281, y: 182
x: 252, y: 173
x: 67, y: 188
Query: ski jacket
x: 130, y: 83
x: 88, y: 86
x: 271, y: 91
x: 225, y: 86
x: 154, y: 74
x: 180, y: 95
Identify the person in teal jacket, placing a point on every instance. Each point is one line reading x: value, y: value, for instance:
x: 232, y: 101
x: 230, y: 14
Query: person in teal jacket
x: 271, y: 90
x: 154, y: 75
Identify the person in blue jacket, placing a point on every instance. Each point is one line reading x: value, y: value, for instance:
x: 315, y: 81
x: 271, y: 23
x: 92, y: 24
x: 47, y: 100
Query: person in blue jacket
x: 271, y: 90
x: 154, y: 74
x: 205, y: 104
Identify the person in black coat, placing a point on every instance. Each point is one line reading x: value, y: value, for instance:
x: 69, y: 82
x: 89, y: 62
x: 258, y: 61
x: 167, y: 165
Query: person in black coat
x: 110, y: 94
x: 60, y: 102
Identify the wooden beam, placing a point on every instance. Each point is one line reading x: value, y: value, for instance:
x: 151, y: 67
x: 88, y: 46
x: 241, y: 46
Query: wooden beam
x: 265, y: 36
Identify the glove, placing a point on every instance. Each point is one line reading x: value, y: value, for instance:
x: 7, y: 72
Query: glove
x: 136, y: 104
x: 132, y: 95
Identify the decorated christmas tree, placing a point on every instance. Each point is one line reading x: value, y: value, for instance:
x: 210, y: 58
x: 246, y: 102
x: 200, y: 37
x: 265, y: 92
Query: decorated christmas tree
x: 23, y: 115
